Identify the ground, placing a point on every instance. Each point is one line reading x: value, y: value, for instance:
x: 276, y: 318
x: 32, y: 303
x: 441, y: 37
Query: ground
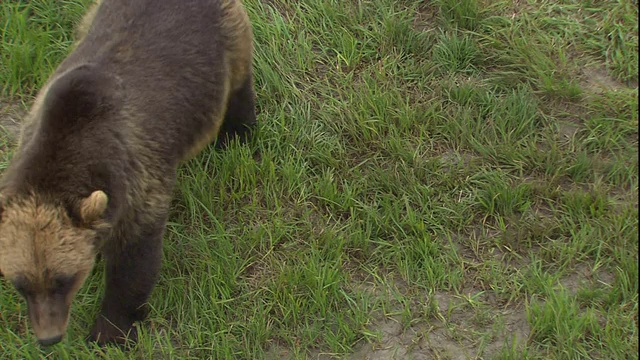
x: 436, y: 180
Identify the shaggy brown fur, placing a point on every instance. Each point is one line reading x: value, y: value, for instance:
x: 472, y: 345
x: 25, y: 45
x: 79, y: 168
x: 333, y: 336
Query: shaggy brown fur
x: 148, y: 85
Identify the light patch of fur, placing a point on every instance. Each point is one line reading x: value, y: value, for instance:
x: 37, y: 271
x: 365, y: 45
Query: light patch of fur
x: 240, y: 41
x: 39, y: 241
x: 85, y: 23
x: 30, y: 122
x: 92, y: 207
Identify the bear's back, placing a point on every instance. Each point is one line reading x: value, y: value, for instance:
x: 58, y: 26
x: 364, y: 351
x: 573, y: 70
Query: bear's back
x: 171, y: 59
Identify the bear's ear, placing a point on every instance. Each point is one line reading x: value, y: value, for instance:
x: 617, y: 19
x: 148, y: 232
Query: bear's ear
x: 76, y: 96
x: 93, y: 206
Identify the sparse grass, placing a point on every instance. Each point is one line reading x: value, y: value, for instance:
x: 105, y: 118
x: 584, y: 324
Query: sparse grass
x: 473, y: 176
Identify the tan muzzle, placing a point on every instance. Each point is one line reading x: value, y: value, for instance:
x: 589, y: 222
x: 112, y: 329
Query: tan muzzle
x: 49, y: 315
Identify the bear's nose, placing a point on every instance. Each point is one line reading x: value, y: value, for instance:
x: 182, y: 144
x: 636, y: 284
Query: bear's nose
x: 50, y: 341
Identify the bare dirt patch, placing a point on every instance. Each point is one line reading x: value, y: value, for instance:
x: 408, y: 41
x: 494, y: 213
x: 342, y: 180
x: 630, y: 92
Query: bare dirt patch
x: 457, y: 330
x: 470, y: 324
x: 568, y: 130
x: 455, y: 159
x: 11, y: 114
x: 596, y: 80
x: 584, y: 276
x: 426, y: 17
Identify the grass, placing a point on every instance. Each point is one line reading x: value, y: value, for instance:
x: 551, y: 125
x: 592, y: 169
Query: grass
x: 444, y: 179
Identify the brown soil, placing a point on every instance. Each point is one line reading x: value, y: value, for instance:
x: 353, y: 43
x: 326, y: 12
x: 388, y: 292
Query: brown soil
x: 11, y: 113
x: 596, y: 79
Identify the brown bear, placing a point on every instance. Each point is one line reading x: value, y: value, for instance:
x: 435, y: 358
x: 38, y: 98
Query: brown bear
x: 148, y: 85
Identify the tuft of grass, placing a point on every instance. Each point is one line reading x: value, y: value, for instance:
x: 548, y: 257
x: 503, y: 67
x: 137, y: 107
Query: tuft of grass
x: 454, y: 54
x: 560, y: 323
x: 616, y: 36
x: 498, y: 196
x: 463, y: 14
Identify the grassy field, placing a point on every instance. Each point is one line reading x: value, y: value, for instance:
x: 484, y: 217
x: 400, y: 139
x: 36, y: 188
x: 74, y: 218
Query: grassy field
x: 438, y: 180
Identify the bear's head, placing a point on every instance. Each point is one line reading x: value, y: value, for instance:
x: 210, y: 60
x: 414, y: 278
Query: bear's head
x: 47, y: 250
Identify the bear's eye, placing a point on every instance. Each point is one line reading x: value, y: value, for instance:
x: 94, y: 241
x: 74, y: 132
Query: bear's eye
x: 22, y: 286
x: 62, y: 284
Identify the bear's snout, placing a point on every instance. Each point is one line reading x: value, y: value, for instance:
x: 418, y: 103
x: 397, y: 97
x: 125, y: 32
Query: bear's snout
x: 48, y: 317
x: 50, y: 341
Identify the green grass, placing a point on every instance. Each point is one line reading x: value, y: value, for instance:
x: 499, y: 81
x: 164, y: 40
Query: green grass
x: 465, y: 169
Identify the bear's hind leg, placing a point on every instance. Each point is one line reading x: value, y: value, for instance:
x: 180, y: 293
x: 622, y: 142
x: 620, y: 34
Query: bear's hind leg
x: 131, y: 273
x: 240, y: 117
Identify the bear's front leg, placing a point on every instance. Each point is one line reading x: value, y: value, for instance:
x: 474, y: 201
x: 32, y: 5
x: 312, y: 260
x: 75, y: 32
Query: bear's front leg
x: 132, y: 270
